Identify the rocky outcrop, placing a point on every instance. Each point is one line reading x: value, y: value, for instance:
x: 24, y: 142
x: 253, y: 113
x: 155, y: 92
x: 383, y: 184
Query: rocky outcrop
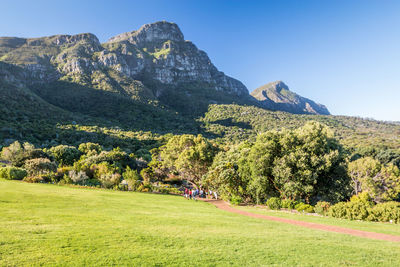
x: 160, y: 51
x: 151, y: 32
x: 277, y: 96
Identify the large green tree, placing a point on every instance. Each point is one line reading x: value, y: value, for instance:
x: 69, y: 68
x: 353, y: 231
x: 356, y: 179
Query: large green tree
x: 306, y: 163
x: 310, y: 161
x: 230, y: 173
x: 188, y: 155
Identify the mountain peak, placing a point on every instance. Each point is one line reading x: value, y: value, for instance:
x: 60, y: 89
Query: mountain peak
x: 157, y: 31
x: 276, y: 95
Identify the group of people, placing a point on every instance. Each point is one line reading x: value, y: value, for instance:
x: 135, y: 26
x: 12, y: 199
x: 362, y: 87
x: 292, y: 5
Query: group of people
x: 193, y: 193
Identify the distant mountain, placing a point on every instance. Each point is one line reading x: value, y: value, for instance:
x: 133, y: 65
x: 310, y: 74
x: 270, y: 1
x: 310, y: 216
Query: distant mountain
x: 277, y: 96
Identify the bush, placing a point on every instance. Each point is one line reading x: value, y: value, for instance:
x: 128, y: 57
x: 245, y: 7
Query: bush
x: 302, y: 207
x: 40, y: 166
x: 235, y: 200
x: 109, y: 180
x: 78, y: 177
x: 65, y: 155
x: 12, y: 173
x: 357, y: 210
x: 62, y: 172
x: 145, y: 188
x: 363, y: 197
x: 289, y: 204
x: 274, y: 203
x: 385, y: 212
x: 34, y: 179
x: 132, y: 178
x: 353, y: 210
x: 339, y: 210
x: 322, y: 207
x: 89, y: 148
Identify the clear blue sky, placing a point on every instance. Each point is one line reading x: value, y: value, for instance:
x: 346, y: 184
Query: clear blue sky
x: 344, y: 54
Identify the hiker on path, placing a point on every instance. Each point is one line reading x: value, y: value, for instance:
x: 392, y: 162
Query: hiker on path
x: 216, y: 195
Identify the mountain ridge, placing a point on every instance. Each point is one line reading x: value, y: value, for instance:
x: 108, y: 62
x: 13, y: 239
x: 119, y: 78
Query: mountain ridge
x: 277, y: 96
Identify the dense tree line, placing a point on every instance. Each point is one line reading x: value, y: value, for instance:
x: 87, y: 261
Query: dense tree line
x: 296, y: 168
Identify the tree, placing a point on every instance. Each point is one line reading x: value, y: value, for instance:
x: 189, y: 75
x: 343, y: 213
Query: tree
x: 90, y: 148
x: 188, y: 155
x: 381, y: 182
x: 309, y: 161
x: 65, y: 155
x: 229, y: 174
x: 17, y: 154
x: 306, y: 163
x: 13, y: 153
x: 262, y: 158
x: 389, y: 156
x: 132, y: 178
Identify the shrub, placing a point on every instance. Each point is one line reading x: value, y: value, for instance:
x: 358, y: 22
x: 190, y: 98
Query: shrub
x: 363, y: 197
x: 12, y: 173
x: 109, y: 180
x: 145, y: 188
x: 235, y: 200
x: 102, y: 168
x: 132, y: 178
x: 65, y: 155
x: 62, y: 172
x: 385, y: 212
x: 302, y: 207
x: 322, y: 207
x: 274, y: 203
x: 89, y: 148
x: 34, y: 179
x: 353, y: 210
x: 339, y: 210
x: 78, y: 177
x: 40, y: 166
x: 357, y: 210
x: 289, y: 204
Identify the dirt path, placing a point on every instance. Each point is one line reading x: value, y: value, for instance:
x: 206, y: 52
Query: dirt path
x: 224, y: 206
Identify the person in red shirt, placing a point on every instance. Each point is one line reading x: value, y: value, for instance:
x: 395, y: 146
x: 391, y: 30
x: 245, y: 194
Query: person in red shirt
x: 186, y: 193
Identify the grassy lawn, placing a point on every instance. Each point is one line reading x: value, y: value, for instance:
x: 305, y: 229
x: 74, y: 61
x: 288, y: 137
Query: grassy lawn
x: 51, y: 225
x: 378, y: 227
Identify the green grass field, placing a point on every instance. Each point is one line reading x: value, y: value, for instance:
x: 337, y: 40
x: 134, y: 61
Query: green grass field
x: 52, y: 225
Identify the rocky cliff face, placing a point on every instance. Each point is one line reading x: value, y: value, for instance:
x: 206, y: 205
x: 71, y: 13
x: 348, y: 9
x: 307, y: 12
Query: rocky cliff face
x: 153, y: 64
x: 146, y: 64
x: 277, y: 96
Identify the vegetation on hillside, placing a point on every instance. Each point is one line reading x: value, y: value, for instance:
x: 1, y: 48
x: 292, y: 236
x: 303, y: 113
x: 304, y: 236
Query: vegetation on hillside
x: 289, y: 168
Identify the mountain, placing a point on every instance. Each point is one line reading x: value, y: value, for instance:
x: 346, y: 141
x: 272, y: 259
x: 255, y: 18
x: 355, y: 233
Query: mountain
x: 277, y: 96
x: 136, y: 88
x: 152, y: 64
